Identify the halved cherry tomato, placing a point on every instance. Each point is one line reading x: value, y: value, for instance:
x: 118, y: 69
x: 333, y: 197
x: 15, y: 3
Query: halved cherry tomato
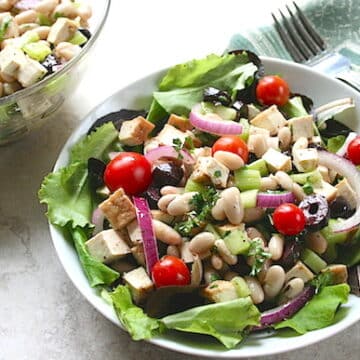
x: 353, y: 151
x: 272, y: 90
x: 289, y: 219
x: 130, y: 171
x: 233, y: 144
x: 170, y: 270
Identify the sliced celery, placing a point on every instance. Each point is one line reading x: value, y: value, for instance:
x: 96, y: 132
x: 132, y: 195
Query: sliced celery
x: 224, y: 112
x: 78, y: 39
x: 259, y: 165
x: 192, y: 185
x: 248, y: 198
x: 37, y: 50
x: 246, y: 179
x: 313, y: 260
x: 313, y: 177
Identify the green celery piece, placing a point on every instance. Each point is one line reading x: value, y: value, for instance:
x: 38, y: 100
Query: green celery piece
x: 237, y: 242
x: 225, y: 321
x: 294, y: 108
x: 96, y: 272
x: 44, y: 20
x: 246, y: 179
x: 332, y: 237
x: 224, y: 112
x: 36, y: 50
x: 78, y: 39
x: 249, y: 198
x: 335, y: 143
x: 259, y: 165
x: 241, y: 286
x: 192, y: 185
x: 312, y: 177
x: 313, y: 260
x: 137, y: 323
x: 28, y: 37
x: 246, y: 127
x: 319, y: 312
x: 156, y: 113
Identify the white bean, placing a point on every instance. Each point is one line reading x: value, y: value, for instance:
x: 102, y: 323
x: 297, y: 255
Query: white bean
x: 10, y: 88
x: 68, y: 10
x: 254, y: 233
x: 210, y: 274
x: 84, y: 11
x: 202, y: 242
x: 316, y: 242
x: 186, y: 254
x: 230, y: 160
x: 274, y: 281
x: 253, y: 214
x: 166, y: 234
x: 216, y: 262
x: 217, y: 212
x: 293, y: 288
x: 268, y: 183
x: 233, y: 207
x: 66, y: 50
x: 167, y: 190
x: 42, y: 31
x: 24, y: 28
x: 173, y: 250
x: 196, y: 271
x: 284, y: 180
x: 1, y: 89
x: 230, y: 275
x: 181, y: 204
x: 298, y: 192
x: 46, y: 6
x: 164, y: 201
x: 262, y: 274
x: 284, y: 135
x: 276, y: 246
x: 225, y: 253
x: 256, y: 291
x: 25, y: 17
x: 257, y: 144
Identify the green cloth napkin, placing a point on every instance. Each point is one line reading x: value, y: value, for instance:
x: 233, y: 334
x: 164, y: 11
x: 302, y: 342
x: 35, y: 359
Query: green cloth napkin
x: 337, y: 21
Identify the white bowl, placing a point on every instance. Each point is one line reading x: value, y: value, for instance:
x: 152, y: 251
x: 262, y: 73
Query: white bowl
x: 321, y: 89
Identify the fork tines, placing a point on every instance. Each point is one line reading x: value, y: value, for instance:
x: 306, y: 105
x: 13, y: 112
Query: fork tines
x: 298, y: 35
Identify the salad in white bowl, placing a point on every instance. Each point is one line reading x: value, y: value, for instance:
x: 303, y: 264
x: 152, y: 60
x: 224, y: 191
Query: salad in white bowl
x: 229, y: 206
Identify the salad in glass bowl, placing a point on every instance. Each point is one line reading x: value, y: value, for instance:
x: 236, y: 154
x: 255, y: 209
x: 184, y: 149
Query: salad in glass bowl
x: 229, y: 206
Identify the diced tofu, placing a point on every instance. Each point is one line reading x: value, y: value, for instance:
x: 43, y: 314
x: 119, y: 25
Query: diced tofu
x: 299, y: 270
x: 339, y: 273
x: 305, y: 159
x: 134, y: 232
x: 139, y: 283
x: 135, y: 131
x: 10, y: 60
x: 62, y: 30
x: 179, y: 122
x: 220, y: 291
x: 209, y: 168
x: 345, y: 190
x: 162, y: 216
x: 258, y: 144
x: 277, y: 161
x: 118, y: 209
x: 108, y: 246
x: 273, y: 142
x: 302, y: 127
x: 270, y: 119
x: 138, y: 254
x: 30, y: 72
x: 326, y: 190
x: 254, y: 130
x: 202, y: 151
x: 169, y: 133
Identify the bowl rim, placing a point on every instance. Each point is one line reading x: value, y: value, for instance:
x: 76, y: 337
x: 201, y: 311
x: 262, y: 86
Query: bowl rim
x: 48, y: 79
x: 96, y: 301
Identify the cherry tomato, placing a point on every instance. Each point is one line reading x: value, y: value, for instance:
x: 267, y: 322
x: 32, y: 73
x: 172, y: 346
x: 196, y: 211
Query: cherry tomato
x: 130, y: 171
x: 272, y: 90
x: 353, y: 151
x: 233, y: 144
x: 289, y: 219
x: 170, y: 270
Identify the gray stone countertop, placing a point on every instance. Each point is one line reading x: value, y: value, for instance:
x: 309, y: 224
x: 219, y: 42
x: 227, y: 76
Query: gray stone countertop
x: 42, y: 315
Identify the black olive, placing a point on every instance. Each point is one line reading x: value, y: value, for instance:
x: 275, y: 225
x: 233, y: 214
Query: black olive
x: 152, y: 195
x: 334, y: 128
x: 167, y: 174
x: 117, y: 118
x: 316, y: 211
x: 96, y: 169
x: 291, y: 254
x: 216, y: 96
x: 86, y: 33
x: 252, y: 158
x: 50, y: 63
x: 340, y: 208
x: 316, y: 146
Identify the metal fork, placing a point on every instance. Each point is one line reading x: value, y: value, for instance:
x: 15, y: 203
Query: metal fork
x: 305, y: 45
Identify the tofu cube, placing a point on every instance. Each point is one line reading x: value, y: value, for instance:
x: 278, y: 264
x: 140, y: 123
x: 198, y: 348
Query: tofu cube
x: 299, y: 270
x: 277, y: 161
x: 118, y: 209
x: 202, y: 151
x: 134, y: 232
x: 339, y: 273
x: 220, y: 291
x: 135, y: 131
x: 270, y: 119
x: 30, y: 72
x: 180, y: 122
x: 168, y: 134
x: 326, y: 190
x: 139, y: 283
x: 273, y: 142
x: 11, y: 59
x: 108, y: 246
x: 254, y: 130
x: 302, y: 127
x: 345, y: 190
x: 305, y: 159
x: 138, y: 253
x: 62, y: 30
x: 209, y: 168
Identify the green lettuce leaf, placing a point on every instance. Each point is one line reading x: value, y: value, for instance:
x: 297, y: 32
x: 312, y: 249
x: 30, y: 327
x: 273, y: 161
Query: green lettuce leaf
x: 67, y: 195
x: 294, y: 108
x: 183, y: 86
x: 137, y: 323
x: 96, y: 272
x: 225, y: 321
x: 335, y: 143
x: 318, y: 312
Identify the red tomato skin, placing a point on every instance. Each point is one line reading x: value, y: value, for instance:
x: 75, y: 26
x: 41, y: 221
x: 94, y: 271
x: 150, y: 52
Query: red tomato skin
x: 233, y: 144
x: 130, y: 171
x: 272, y: 90
x: 170, y: 270
x: 353, y: 151
x: 289, y: 219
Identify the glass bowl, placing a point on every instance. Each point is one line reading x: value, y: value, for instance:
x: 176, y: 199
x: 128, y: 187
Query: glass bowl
x: 29, y: 108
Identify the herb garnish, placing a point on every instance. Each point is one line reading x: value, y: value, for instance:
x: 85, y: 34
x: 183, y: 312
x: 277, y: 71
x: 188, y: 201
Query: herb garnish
x: 178, y: 146
x: 217, y: 173
x: 260, y: 256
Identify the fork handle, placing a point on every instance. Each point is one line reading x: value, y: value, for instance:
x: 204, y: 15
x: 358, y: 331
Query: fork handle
x: 351, y: 78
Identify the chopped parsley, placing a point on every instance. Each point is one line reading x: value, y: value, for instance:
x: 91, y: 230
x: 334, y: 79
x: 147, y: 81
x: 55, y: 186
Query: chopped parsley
x: 308, y: 188
x: 217, y: 173
x: 178, y: 146
x: 260, y: 256
x: 4, y: 27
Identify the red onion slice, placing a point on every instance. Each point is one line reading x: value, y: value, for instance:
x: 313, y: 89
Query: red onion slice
x: 268, y: 200
x: 213, y: 123
x: 285, y: 311
x: 169, y: 152
x: 144, y: 219
x: 348, y: 170
x: 98, y: 220
x: 343, y: 150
